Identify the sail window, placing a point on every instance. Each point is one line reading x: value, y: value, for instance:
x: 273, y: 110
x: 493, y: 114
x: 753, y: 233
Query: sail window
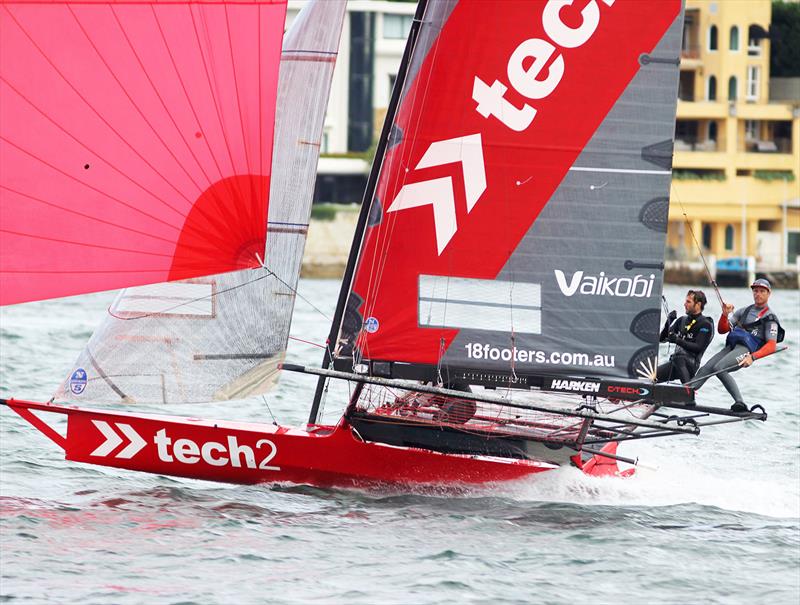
x: 479, y: 304
x: 174, y: 299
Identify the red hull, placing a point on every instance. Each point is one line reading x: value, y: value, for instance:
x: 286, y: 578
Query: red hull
x: 233, y: 452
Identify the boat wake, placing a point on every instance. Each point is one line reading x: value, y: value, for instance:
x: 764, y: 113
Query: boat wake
x: 663, y: 486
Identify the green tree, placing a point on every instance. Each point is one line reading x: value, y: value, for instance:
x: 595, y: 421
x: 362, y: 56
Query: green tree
x: 784, y: 61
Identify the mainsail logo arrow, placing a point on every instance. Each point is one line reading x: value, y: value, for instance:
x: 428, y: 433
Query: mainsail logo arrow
x: 438, y: 192
x: 113, y: 440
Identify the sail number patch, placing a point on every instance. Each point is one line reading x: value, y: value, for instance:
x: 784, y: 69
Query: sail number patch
x: 231, y: 453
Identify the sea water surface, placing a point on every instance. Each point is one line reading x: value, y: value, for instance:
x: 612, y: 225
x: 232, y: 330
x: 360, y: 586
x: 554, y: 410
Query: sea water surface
x: 709, y: 519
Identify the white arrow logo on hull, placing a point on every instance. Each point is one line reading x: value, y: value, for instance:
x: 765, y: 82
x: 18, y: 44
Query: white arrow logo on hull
x: 113, y: 440
x: 438, y: 193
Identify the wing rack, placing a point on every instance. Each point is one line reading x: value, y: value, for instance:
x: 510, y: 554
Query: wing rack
x: 411, y: 414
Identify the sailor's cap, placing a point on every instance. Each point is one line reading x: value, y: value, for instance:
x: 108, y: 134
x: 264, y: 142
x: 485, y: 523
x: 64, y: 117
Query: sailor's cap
x: 761, y: 283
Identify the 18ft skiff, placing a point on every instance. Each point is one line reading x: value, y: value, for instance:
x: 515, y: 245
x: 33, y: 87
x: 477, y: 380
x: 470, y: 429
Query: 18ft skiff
x: 499, y: 315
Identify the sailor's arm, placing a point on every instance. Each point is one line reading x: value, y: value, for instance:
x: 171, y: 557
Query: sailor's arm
x: 723, y: 326
x: 669, y: 328
x: 771, y: 330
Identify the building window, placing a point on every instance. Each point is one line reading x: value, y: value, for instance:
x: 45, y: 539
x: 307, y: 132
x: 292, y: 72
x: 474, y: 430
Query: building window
x: 755, y: 33
x: 753, y: 78
x: 732, y: 86
x: 712, y: 88
x: 712, y: 37
x: 734, y: 38
x: 750, y: 130
x: 707, y: 236
x: 396, y: 27
x: 712, y: 131
x: 792, y: 246
x: 729, y: 237
x: 686, y: 86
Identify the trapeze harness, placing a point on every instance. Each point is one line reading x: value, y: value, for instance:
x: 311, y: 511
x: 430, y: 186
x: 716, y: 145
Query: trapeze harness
x: 694, y: 334
x: 753, y: 335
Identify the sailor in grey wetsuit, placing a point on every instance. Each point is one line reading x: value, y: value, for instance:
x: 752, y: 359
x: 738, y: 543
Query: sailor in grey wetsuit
x: 754, y: 334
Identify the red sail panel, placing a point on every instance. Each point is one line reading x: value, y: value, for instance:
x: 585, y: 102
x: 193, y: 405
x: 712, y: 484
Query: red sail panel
x: 135, y: 141
x: 477, y: 160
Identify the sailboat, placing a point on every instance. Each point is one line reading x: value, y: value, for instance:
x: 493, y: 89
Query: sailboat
x: 499, y: 313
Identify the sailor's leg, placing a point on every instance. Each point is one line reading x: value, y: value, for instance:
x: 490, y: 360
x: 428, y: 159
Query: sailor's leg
x: 730, y: 385
x: 692, y: 365
x: 732, y: 359
x: 711, y: 366
x: 664, y: 372
x: 682, y: 370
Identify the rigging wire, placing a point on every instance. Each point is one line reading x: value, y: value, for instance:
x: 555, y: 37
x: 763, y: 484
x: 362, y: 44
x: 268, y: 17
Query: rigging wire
x: 274, y: 421
x: 700, y: 251
x: 665, y: 306
x: 383, y: 238
x: 292, y: 289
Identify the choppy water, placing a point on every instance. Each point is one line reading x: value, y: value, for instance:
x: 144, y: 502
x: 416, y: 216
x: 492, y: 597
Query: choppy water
x: 715, y: 519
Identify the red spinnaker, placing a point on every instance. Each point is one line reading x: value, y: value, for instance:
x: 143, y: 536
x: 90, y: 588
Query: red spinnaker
x: 135, y: 141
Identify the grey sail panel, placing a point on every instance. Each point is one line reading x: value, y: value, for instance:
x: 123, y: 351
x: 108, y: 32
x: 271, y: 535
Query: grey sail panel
x: 597, y: 248
x: 222, y: 337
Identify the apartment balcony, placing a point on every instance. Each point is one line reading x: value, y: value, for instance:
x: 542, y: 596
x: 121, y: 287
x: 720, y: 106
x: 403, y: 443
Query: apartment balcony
x: 702, y: 109
x: 690, y: 40
x: 699, y: 160
x: 762, y: 111
x: 765, y: 160
x: 713, y: 200
x: 690, y: 56
x: 779, y: 145
x: 693, y: 144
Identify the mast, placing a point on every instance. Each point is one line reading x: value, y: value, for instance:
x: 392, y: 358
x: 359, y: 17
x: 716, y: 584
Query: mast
x: 366, y: 204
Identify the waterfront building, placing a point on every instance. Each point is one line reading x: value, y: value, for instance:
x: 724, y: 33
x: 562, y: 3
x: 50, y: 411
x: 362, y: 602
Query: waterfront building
x: 737, y: 148
x: 737, y: 140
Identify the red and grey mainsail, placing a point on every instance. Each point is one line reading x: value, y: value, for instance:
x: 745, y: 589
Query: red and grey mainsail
x: 518, y: 220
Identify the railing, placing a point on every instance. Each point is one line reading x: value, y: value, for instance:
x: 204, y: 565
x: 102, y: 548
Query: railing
x: 691, y: 51
x: 693, y: 144
x: 779, y: 145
